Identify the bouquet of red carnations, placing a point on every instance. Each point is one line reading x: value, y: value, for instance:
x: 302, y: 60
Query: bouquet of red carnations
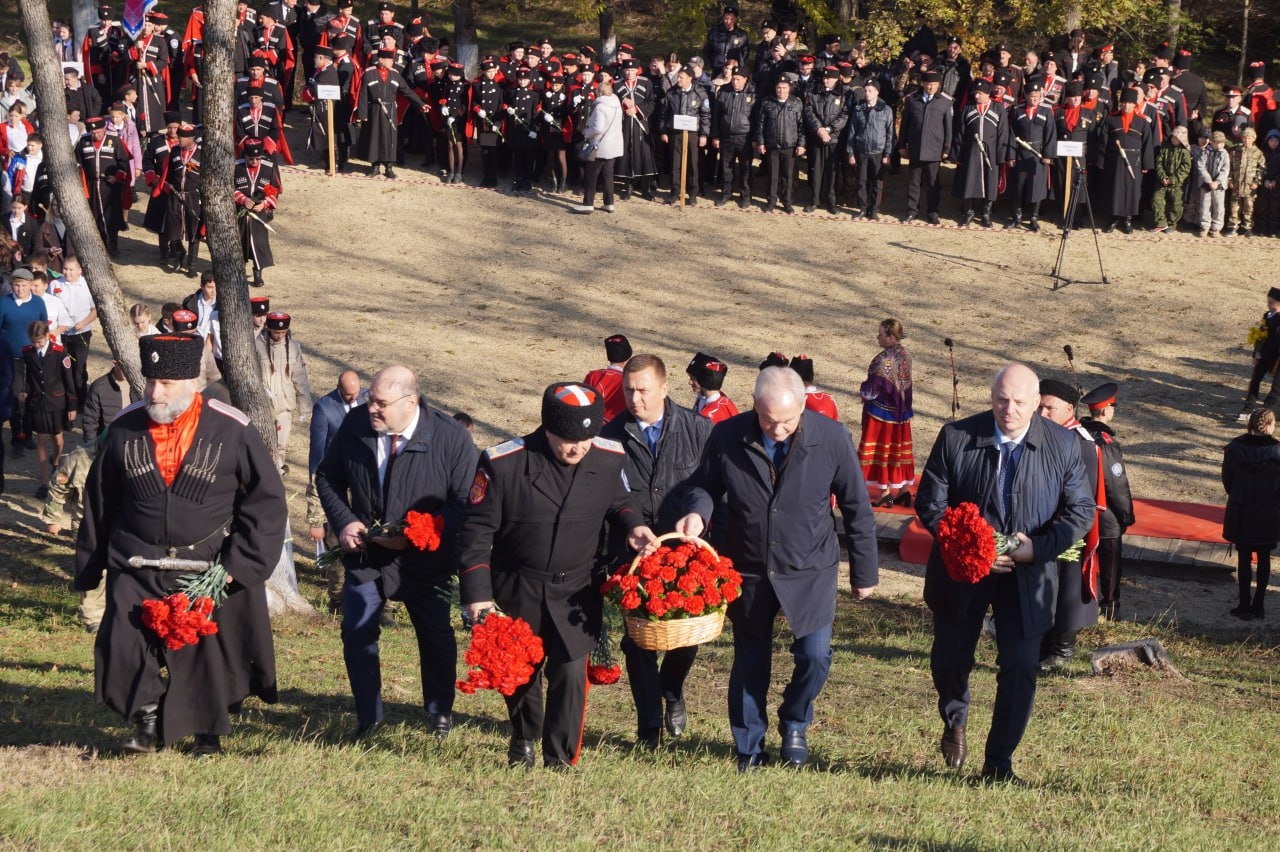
x: 182, y: 618
x: 177, y: 621
x: 675, y: 596
x: 503, y: 654
x: 969, y: 545
x: 602, y: 669
x: 421, y: 528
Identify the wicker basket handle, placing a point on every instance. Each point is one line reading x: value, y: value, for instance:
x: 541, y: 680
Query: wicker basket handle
x: 635, y: 563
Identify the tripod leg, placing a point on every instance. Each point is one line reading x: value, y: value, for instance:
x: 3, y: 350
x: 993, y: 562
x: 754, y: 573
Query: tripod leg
x: 1097, y: 247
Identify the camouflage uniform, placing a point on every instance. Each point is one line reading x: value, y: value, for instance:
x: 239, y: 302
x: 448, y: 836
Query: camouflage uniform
x: 1247, y: 167
x: 64, y: 507
x: 1174, y: 163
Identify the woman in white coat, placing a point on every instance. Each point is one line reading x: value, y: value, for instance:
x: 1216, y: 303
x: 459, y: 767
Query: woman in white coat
x: 604, y: 130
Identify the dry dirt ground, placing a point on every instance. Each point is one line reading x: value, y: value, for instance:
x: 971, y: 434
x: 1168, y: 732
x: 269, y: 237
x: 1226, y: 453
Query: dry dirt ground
x: 489, y: 296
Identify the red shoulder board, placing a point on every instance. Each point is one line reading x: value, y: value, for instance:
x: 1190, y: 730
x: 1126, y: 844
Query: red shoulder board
x: 55, y: 347
x: 1106, y: 439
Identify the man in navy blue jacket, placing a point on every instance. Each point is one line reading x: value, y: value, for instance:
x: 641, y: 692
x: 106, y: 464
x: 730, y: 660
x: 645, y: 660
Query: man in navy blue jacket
x: 778, y: 465
x: 392, y: 455
x: 1025, y: 475
x: 327, y: 415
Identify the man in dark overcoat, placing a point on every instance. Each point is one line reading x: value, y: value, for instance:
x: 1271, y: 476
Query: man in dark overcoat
x: 982, y: 134
x: 1025, y: 475
x: 529, y: 540
x: 778, y: 466
x: 180, y: 477
x: 375, y: 112
x: 393, y: 455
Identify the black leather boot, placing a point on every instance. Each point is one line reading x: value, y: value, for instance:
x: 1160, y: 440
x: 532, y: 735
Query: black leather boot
x: 189, y: 262
x: 986, y: 215
x: 146, y: 733
x: 520, y: 754
x: 207, y: 744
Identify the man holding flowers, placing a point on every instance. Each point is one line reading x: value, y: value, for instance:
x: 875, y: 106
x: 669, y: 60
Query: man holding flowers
x: 1025, y: 476
x: 394, y: 460
x: 778, y: 465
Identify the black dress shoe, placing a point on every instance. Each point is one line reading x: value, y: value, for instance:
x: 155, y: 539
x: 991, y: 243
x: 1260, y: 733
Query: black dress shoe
x: 1126, y: 226
x: 933, y: 219
x: 146, y: 734
x: 809, y: 208
x: 676, y: 717
x: 649, y: 740
x: 885, y: 499
x: 206, y: 745
x: 1242, y: 612
x: 748, y: 762
x: 986, y: 220
x: 909, y: 218
x: 744, y: 203
x: 795, y: 749
x: 991, y: 775
x: 364, y: 732
x: 789, y: 210
x: 1109, y: 227
x: 520, y: 754
x: 441, y: 725
x: 860, y: 215
x: 873, y: 216
x: 1016, y: 221
x: 968, y: 219
x: 1033, y: 225
x: 721, y: 201
x: 954, y: 746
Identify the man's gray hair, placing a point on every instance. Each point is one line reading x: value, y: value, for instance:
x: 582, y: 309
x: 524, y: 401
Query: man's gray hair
x: 775, y: 384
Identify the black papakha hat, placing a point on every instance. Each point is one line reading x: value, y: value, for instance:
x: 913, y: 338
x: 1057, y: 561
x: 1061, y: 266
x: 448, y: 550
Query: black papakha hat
x: 775, y: 359
x: 171, y: 356
x: 617, y: 348
x: 1060, y: 389
x: 278, y: 321
x: 708, y: 371
x: 572, y: 411
x: 260, y: 305
x: 803, y: 365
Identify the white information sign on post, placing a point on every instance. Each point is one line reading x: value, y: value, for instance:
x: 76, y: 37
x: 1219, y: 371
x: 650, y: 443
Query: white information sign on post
x: 1070, y: 149
x: 684, y: 122
x: 329, y: 93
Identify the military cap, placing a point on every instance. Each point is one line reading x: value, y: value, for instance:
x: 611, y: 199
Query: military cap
x: 488, y: 65
x: 171, y: 356
x: 278, y: 321
x: 831, y: 72
x: 104, y: 13
x: 617, y: 348
x: 803, y: 365
x: 186, y: 131
x: 346, y: 41
x: 1183, y: 60
x: 1129, y: 96
x: 260, y: 305
x: 931, y: 77
x: 775, y: 359
x: 1073, y: 89
x: 1101, y: 396
x: 256, y: 62
x: 982, y: 86
x: 1274, y: 294
x: 515, y: 45
x: 572, y: 411
x: 253, y: 148
x: 386, y: 7
x: 387, y: 53
x: 95, y: 123
x: 172, y: 118
x: 1094, y: 81
x: 1060, y: 389
x: 708, y: 371
x: 185, y: 320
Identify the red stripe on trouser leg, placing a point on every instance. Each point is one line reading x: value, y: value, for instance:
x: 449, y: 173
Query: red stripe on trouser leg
x: 582, y: 726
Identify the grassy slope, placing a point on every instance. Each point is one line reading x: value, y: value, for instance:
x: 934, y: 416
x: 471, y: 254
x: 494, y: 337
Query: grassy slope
x: 1137, y: 761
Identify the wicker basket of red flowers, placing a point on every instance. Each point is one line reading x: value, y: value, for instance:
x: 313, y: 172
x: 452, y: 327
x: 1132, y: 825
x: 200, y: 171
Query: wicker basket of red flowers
x: 676, y: 596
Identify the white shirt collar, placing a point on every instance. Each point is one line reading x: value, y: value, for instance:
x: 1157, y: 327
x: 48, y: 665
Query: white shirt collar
x: 1002, y: 438
x: 407, y: 433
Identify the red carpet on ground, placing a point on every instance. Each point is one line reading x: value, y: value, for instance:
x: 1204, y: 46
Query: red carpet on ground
x: 1155, y: 519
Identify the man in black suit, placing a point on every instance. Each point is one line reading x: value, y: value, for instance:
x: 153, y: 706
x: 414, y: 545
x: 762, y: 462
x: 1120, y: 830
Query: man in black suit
x: 779, y: 465
x: 926, y: 140
x: 392, y: 455
x: 1025, y: 475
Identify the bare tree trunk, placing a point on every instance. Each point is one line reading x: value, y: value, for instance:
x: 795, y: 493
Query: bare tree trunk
x: 1244, y: 46
x: 84, y: 17
x: 1173, y: 21
x: 466, y: 43
x: 845, y: 12
x: 1075, y: 13
x: 240, y: 366
x: 608, y: 35
x: 68, y: 187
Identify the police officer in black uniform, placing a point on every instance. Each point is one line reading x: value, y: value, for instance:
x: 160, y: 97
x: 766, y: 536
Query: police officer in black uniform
x: 528, y: 546
x: 1118, y: 515
x: 732, y: 113
x: 826, y: 111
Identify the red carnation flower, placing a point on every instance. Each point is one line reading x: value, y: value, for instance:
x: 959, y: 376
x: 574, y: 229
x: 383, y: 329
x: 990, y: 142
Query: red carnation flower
x: 967, y: 543
x: 424, y: 530
x: 603, y: 675
x: 631, y: 600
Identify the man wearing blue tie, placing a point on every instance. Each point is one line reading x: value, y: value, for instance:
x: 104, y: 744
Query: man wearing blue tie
x: 778, y: 466
x: 663, y: 443
x: 1025, y: 475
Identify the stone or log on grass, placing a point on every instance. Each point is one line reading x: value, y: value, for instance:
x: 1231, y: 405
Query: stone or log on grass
x: 1133, y: 656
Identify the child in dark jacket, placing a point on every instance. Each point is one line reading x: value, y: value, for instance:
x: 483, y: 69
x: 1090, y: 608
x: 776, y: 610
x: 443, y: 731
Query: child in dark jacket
x: 49, y: 397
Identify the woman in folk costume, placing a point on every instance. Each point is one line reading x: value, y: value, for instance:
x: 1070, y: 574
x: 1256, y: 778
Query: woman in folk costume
x: 885, y: 448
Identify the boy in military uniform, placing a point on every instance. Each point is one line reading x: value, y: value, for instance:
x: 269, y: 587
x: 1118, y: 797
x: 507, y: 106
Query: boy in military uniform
x: 64, y: 508
x: 1247, y: 168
